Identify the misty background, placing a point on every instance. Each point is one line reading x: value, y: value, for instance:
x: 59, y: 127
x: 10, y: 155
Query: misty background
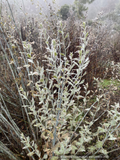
x: 32, y: 7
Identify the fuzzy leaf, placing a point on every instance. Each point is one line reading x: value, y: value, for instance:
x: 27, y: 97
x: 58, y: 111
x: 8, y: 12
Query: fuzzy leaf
x: 99, y: 144
x: 104, y: 152
x: 112, y: 138
x: 54, y: 158
x: 92, y: 148
x: 38, y: 125
x: 30, y: 154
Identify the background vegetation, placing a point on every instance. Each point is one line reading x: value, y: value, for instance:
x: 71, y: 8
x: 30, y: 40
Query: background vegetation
x: 59, y: 83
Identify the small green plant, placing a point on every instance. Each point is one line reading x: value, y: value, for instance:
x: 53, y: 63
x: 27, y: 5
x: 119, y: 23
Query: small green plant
x: 106, y: 83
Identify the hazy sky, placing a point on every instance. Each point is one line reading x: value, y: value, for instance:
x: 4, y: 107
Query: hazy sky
x: 94, y: 8
x: 32, y: 3
x: 60, y: 2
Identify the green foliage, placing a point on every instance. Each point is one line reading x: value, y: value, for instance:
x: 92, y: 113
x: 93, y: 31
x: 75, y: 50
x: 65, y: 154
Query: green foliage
x: 106, y: 83
x: 64, y: 11
x: 85, y: 1
x: 79, y: 7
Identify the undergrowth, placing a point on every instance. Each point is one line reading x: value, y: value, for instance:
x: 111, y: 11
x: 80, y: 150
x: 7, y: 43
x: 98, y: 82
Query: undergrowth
x: 47, y: 110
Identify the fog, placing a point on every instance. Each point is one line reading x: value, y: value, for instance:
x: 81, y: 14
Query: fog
x: 98, y: 6
x: 34, y: 6
x: 42, y: 2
